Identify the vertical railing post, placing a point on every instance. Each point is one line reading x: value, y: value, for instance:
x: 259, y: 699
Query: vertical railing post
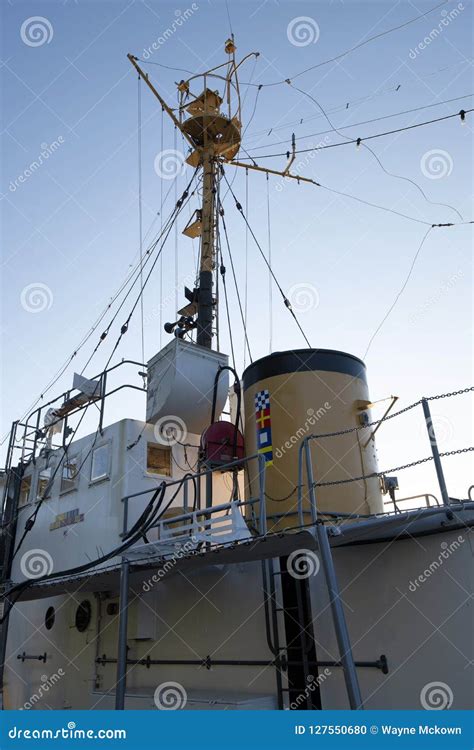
x: 309, y: 472
x: 102, y: 386
x: 122, y: 637
x: 435, y: 451
x: 300, y: 483
x: 340, y: 625
x: 185, y: 496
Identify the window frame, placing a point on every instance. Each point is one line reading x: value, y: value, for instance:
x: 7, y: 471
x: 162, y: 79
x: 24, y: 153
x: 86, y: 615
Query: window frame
x: 162, y: 447
x: 106, y: 476
x: 75, y: 481
x: 50, y: 468
x: 25, y: 477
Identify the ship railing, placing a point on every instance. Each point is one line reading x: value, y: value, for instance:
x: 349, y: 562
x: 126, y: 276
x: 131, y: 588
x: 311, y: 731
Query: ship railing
x: 28, y: 435
x: 309, y: 486
x: 213, y: 524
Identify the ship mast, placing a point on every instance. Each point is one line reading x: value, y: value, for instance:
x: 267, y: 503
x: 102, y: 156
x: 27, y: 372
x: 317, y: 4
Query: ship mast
x: 214, y: 138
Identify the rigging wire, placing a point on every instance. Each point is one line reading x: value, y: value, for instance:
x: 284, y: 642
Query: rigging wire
x: 32, y: 518
x: 140, y: 217
x: 176, y: 258
x: 246, y: 254
x: 361, y: 100
x: 320, y: 64
x: 161, y: 215
x: 246, y: 340
x: 186, y: 196
x: 270, y: 290
x: 285, y: 299
x: 400, y: 292
x: 361, y: 143
x: 358, y: 124
x: 148, y: 256
x: 354, y: 48
x: 462, y: 113
x: 88, y: 335
x: 222, y: 271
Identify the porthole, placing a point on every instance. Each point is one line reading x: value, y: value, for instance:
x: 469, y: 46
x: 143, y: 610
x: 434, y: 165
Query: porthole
x: 49, y: 618
x: 112, y: 608
x: 83, y: 616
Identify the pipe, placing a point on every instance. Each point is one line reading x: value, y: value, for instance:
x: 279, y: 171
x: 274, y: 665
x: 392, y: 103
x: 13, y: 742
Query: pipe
x: 340, y: 625
x: 435, y: 451
x: 122, y: 638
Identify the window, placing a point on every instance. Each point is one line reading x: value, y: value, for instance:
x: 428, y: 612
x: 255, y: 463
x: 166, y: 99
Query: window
x: 44, y: 478
x: 100, y: 463
x: 69, y: 475
x: 83, y: 616
x: 25, y: 488
x: 49, y: 618
x: 158, y: 460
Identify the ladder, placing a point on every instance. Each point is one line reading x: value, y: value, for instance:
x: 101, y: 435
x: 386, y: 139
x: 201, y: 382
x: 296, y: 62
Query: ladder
x: 297, y: 659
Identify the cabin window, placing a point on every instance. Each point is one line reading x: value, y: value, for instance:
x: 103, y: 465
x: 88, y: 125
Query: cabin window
x: 44, y: 478
x: 70, y: 473
x: 158, y: 460
x: 25, y: 488
x: 49, y: 618
x: 83, y: 616
x: 100, y: 463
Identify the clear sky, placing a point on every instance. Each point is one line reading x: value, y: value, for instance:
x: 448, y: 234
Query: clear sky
x: 70, y: 225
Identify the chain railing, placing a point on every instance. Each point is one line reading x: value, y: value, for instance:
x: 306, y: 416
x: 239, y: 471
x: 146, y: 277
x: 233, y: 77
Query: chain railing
x: 304, y: 455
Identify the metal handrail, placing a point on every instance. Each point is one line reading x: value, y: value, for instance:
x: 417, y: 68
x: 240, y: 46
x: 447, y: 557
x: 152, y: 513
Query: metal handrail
x: 304, y: 449
x: 260, y: 500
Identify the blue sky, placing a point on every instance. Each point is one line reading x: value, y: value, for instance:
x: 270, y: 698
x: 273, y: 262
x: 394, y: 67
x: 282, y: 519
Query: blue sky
x: 71, y: 225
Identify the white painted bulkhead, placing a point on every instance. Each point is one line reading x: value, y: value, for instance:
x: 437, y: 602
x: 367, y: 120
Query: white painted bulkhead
x: 425, y: 633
